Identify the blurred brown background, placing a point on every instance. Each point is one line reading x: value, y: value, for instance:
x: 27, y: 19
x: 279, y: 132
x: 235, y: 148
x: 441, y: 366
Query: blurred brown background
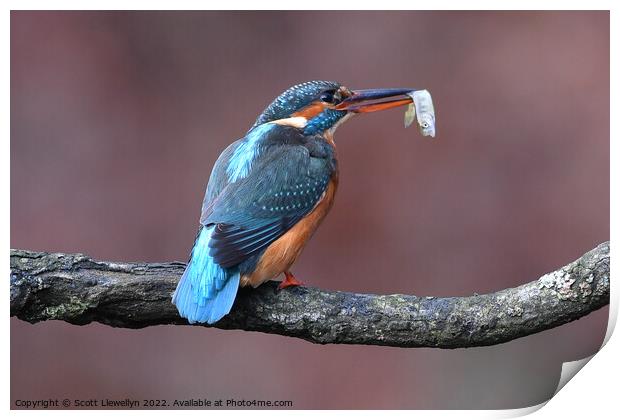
x: 117, y: 119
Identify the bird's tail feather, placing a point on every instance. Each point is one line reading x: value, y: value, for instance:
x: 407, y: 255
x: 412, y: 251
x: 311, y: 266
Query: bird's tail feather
x: 206, y: 291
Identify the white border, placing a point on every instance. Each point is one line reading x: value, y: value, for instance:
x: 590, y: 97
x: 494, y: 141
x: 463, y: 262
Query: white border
x: 591, y: 394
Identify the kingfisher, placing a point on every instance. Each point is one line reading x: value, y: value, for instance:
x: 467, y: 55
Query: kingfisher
x: 267, y: 194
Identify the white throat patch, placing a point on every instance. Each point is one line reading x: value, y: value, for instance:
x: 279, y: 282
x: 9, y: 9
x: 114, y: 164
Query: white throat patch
x: 297, y: 122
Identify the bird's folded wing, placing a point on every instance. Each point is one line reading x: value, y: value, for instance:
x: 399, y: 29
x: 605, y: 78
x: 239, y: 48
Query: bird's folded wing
x: 283, y: 186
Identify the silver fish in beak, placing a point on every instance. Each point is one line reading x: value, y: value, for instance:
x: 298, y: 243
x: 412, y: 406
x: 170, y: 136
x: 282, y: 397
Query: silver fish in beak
x: 422, y: 108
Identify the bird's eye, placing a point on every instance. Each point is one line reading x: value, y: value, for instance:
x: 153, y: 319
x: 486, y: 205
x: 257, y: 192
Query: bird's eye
x: 327, y: 96
x: 331, y: 97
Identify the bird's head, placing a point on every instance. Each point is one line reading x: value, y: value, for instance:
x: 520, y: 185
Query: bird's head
x: 319, y: 106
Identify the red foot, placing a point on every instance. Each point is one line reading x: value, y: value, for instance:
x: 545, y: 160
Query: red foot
x: 289, y: 281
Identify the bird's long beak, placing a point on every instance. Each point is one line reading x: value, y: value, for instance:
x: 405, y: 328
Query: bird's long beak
x: 371, y: 100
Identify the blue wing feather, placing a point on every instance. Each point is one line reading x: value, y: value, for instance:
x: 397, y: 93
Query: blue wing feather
x: 286, y: 180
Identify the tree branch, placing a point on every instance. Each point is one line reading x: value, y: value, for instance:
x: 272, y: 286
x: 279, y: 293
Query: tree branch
x: 76, y: 289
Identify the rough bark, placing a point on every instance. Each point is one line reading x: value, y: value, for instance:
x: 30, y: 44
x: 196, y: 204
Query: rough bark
x: 76, y: 289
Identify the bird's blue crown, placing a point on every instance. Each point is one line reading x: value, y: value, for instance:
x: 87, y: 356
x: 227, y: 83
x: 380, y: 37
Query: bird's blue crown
x: 298, y: 97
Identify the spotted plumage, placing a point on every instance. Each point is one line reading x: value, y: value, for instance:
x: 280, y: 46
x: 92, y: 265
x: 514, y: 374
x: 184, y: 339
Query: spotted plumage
x: 285, y: 182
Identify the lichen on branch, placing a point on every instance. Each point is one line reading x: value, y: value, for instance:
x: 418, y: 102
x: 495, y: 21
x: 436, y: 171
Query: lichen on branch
x: 79, y: 290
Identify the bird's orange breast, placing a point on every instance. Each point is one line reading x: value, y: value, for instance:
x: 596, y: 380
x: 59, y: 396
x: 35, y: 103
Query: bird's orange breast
x: 283, y: 252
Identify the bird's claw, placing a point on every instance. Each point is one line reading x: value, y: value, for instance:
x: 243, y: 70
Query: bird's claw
x: 289, y: 281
